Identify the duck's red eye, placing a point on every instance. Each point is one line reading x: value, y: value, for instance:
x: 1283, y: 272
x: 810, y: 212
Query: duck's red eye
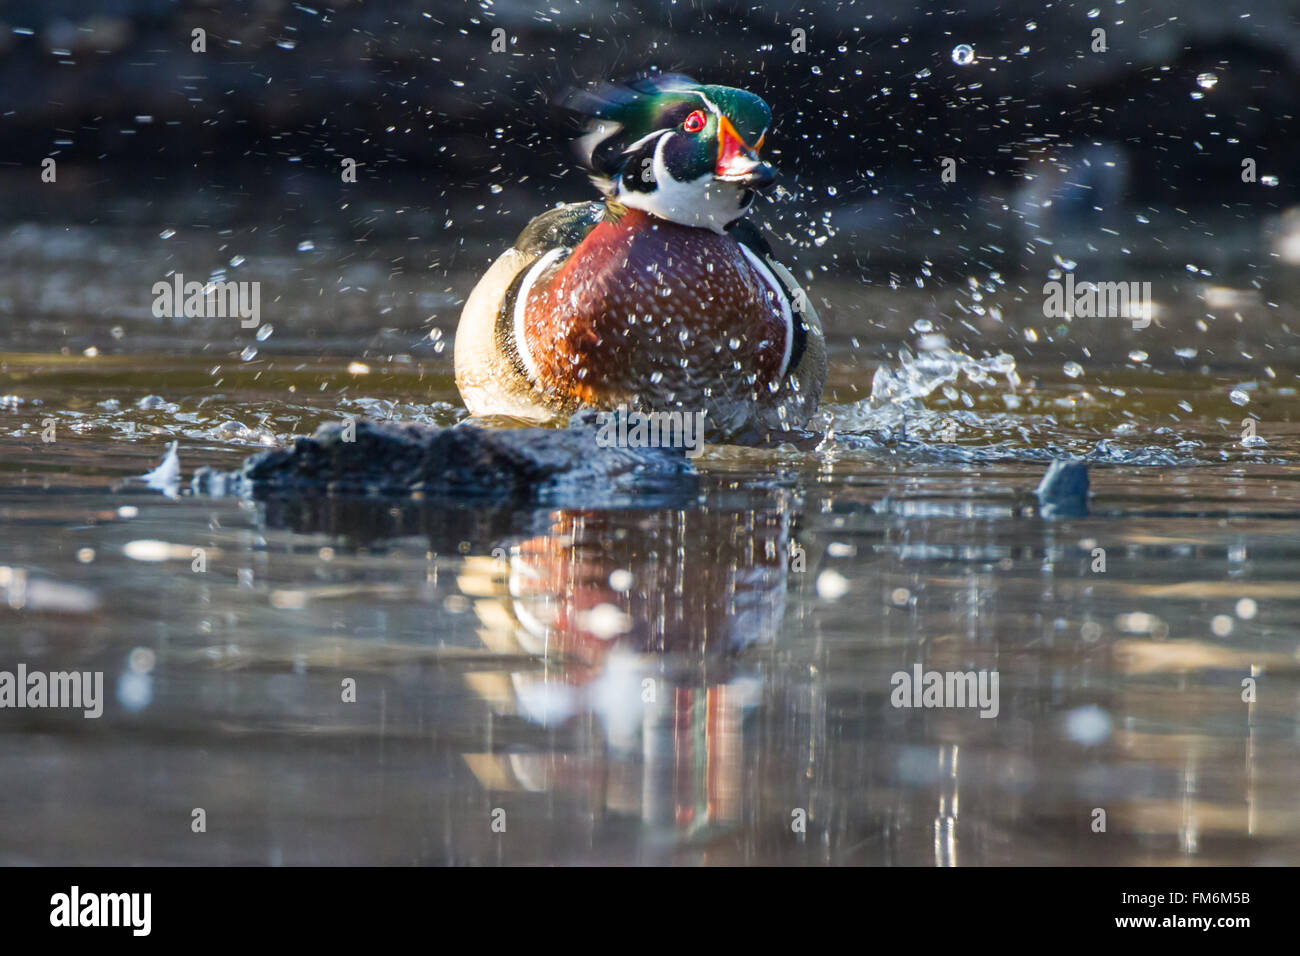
x: 695, y: 122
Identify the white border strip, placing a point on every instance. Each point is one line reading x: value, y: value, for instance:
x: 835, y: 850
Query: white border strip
x: 786, y: 312
x: 521, y: 301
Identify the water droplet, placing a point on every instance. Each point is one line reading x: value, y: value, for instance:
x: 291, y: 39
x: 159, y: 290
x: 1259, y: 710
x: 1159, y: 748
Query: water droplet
x: 831, y: 585
x: 1072, y: 369
x: 1268, y: 180
x: 1088, y: 725
x: 495, y: 189
x: 264, y: 332
x: 286, y: 44
x: 963, y: 54
x: 1238, y: 397
x: 134, y: 691
x: 166, y: 233
x: 248, y: 354
x: 1094, y: 13
x: 1207, y: 81
x: 306, y: 246
x: 1137, y: 355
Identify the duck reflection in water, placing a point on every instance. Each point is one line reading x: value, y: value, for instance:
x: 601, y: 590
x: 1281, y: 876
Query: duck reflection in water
x: 638, y: 622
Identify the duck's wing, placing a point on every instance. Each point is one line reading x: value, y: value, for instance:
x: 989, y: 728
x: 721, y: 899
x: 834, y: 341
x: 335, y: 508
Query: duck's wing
x: 491, y: 378
x: 560, y: 228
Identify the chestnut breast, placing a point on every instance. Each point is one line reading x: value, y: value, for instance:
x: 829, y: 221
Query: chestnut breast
x: 651, y: 310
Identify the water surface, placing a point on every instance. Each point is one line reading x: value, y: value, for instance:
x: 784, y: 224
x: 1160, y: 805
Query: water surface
x: 651, y: 685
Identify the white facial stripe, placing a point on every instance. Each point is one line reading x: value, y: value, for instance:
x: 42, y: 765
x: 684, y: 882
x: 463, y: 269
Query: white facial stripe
x: 787, y: 314
x: 596, y: 134
x: 713, y: 107
x: 646, y: 138
x: 521, y: 300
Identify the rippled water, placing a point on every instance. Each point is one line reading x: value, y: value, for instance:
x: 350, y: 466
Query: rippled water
x: 653, y: 685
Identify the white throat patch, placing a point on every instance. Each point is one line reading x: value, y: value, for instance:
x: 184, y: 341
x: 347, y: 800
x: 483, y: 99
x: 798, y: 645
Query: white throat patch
x: 705, y: 202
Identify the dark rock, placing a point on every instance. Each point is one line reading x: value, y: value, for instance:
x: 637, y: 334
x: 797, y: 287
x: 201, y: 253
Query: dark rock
x: 464, y: 463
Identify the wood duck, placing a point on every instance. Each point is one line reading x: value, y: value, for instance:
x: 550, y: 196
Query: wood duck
x: 661, y: 297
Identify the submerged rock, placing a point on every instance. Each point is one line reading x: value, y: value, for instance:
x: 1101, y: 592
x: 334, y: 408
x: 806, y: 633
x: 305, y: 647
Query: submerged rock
x: 464, y: 462
x: 1063, y: 492
x: 167, y: 476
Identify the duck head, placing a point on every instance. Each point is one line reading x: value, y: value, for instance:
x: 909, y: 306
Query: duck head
x: 680, y: 150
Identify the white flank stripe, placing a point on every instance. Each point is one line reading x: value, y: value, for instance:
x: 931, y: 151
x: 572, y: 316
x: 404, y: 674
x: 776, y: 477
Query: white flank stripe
x: 786, y: 312
x: 521, y: 300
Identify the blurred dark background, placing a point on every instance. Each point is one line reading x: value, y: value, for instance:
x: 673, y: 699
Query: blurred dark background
x: 414, y: 93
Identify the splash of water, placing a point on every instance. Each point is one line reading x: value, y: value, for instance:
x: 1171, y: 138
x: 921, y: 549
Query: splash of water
x: 896, y: 411
x: 917, y: 376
